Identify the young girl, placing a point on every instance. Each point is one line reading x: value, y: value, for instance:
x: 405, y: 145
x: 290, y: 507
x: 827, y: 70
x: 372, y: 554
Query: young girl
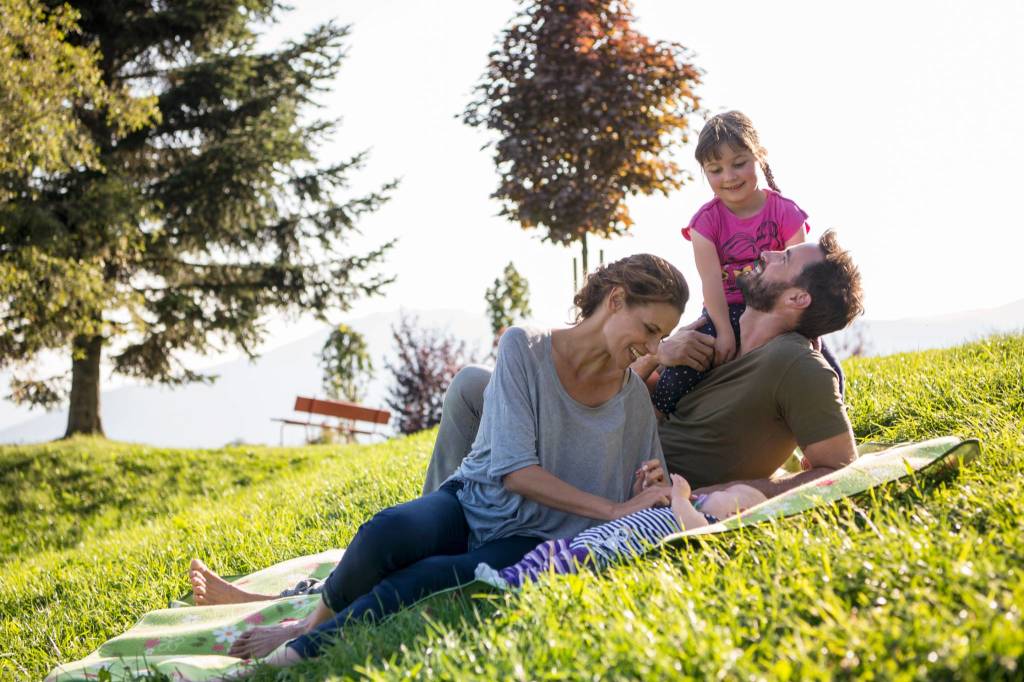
x: 728, y: 234
x: 601, y: 546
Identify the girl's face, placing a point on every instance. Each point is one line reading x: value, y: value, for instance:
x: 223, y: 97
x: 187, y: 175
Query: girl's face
x: 634, y: 331
x: 733, y: 175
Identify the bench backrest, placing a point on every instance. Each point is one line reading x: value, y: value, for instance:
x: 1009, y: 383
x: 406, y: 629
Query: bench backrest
x: 342, y: 410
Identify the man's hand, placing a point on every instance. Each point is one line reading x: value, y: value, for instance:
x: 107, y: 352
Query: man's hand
x: 688, y: 347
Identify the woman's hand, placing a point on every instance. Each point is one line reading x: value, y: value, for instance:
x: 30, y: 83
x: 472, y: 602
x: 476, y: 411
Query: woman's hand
x: 650, y: 473
x: 543, y: 487
x: 725, y: 346
x: 655, y: 496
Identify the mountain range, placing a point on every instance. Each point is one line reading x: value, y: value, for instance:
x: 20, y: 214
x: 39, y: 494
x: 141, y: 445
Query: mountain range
x: 240, y: 405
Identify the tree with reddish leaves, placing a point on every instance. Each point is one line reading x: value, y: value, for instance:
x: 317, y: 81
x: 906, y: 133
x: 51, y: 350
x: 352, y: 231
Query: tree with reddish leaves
x: 426, y: 362
x: 587, y: 111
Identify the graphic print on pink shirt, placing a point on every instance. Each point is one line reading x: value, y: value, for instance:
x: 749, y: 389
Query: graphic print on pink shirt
x: 740, y: 241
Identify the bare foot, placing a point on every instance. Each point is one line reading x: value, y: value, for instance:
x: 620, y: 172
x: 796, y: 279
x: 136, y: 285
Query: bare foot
x: 209, y: 589
x: 260, y: 641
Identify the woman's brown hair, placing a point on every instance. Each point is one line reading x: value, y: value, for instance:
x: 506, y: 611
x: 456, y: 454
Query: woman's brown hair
x: 736, y: 130
x: 643, y: 278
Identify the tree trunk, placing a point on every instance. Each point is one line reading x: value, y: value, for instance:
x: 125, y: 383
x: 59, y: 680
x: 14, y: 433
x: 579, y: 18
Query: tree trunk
x: 583, y: 261
x: 84, y: 411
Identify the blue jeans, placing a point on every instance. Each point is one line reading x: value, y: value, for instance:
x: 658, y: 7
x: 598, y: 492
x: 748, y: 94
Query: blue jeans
x: 401, y: 555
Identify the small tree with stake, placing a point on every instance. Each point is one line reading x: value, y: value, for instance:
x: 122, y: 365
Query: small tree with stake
x: 345, y: 360
x: 507, y: 299
x: 586, y: 110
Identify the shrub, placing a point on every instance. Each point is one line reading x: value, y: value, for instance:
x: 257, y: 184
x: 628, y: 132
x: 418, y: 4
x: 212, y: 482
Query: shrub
x: 427, y: 359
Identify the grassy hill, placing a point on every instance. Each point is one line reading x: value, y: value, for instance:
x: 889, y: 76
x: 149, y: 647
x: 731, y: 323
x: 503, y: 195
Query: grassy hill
x: 920, y: 580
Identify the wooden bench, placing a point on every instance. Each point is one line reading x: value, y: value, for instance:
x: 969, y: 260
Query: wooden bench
x: 348, y: 416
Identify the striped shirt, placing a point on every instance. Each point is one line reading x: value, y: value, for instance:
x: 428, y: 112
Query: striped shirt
x: 595, y: 548
x: 628, y: 536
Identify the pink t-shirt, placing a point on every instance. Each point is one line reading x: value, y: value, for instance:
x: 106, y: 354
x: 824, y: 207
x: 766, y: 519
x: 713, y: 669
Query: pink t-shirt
x: 740, y: 241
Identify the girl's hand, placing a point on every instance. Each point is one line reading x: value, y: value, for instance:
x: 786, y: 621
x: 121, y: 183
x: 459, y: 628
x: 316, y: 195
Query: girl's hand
x: 655, y: 496
x: 725, y: 347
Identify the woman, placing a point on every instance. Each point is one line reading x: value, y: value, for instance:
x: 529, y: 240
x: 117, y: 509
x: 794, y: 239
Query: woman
x: 567, y: 440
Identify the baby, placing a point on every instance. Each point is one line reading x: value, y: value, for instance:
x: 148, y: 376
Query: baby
x: 601, y: 546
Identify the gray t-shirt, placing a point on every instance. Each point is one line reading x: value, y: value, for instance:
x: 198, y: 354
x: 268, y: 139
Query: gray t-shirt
x: 529, y: 419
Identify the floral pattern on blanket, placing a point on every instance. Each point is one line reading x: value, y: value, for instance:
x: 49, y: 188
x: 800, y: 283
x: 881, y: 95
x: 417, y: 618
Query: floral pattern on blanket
x: 192, y: 642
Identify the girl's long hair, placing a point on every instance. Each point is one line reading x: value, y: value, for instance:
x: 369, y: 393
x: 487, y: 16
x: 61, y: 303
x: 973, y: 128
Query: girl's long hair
x: 736, y: 130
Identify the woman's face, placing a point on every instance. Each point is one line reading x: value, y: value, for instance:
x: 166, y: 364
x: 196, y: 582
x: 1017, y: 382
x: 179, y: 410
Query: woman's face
x: 634, y: 331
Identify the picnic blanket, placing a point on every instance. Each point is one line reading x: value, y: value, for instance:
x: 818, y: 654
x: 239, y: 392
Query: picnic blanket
x: 191, y: 643
x: 876, y: 465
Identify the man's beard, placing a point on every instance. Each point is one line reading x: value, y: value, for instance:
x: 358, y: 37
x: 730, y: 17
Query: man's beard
x: 759, y: 294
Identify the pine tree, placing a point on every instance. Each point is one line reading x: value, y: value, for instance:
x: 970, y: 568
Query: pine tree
x: 193, y: 228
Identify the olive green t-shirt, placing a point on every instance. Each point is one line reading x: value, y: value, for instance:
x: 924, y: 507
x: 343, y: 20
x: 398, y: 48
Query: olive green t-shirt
x: 744, y: 419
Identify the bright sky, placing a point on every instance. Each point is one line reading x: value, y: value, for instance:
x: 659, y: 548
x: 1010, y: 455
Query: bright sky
x: 899, y: 124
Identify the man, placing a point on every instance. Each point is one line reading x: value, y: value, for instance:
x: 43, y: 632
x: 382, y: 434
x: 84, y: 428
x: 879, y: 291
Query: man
x: 745, y: 418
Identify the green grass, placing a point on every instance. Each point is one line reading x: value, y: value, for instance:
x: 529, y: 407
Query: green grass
x: 918, y: 580
x: 64, y: 494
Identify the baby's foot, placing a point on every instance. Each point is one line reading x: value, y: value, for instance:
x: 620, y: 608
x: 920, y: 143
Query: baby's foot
x: 209, y: 589
x: 486, y: 574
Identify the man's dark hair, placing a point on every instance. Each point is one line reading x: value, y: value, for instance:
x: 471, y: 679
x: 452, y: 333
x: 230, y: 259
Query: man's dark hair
x: 834, y: 286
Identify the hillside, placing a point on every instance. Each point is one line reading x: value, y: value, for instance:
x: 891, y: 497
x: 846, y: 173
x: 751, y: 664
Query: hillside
x: 918, y: 580
x: 247, y: 395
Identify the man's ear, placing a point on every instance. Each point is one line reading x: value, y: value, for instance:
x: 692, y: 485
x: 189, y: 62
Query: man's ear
x: 798, y: 298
